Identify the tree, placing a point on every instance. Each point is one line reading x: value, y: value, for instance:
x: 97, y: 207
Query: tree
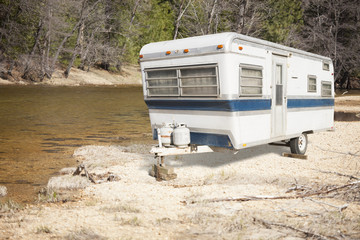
x: 331, y: 28
x: 282, y: 20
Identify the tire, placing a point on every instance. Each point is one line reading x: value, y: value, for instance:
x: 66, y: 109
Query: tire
x: 299, y: 145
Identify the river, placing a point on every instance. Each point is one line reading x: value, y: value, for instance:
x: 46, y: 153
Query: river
x: 41, y: 126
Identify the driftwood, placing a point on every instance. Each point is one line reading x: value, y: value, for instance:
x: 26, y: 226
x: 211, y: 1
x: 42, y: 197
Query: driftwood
x: 81, y: 168
x: 257, y: 198
x: 339, y: 174
x: 307, y: 233
x: 110, y: 177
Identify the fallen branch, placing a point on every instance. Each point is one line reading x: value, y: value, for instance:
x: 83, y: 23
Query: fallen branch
x: 81, y: 168
x: 344, y: 153
x: 341, y: 208
x: 256, y: 198
x: 307, y: 233
x: 339, y: 174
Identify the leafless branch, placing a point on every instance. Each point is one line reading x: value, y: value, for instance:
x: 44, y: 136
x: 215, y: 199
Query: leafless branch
x: 257, y: 198
x: 307, y: 233
x: 339, y: 174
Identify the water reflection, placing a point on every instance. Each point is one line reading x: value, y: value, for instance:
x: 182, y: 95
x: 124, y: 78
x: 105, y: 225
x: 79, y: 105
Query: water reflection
x: 41, y: 126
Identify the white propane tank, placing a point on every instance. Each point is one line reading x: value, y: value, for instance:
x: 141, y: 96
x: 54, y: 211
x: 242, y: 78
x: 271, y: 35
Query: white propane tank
x: 166, y: 132
x: 181, y: 136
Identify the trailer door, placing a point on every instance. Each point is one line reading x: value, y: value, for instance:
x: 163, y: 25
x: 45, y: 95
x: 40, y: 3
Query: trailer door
x: 278, y: 109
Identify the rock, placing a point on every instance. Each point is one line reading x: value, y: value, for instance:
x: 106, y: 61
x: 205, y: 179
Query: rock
x: 113, y: 177
x: 3, y: 191
x: 67, y: 171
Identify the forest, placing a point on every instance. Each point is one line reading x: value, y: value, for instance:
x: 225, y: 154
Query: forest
x: 38, y: 37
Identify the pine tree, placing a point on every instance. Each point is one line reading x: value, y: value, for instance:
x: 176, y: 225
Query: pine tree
x: 282, y: 19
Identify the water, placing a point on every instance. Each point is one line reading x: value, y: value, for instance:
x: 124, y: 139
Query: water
x: 40, y: 127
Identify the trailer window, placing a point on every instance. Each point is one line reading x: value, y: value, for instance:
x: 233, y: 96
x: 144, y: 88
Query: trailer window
x: 311, y: 83
x: 326, y: 66
x: 326, y: 89
x: 183, y: 81
x: 198, y: 82
x: 251, y: 79
x: 162, y: 83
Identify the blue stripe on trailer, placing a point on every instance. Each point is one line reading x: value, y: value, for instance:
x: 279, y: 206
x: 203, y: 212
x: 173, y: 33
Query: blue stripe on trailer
x: 305, y: 103
x: 211, y: 105
x: 211, y: 139
x: 233, y: 105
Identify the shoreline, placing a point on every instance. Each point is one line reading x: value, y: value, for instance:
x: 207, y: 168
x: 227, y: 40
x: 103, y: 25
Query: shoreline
x: 129, y: 75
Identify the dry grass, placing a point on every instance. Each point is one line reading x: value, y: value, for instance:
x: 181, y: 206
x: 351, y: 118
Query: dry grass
x: 84, y: 234
x: 133, y: 221
x: 43, y: 229
x: 120, y: 208
x: 10, y: 206
x: 47, y: 195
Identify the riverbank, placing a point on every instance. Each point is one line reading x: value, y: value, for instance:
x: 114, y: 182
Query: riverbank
x: 129, y: 75
x: 319, y: 197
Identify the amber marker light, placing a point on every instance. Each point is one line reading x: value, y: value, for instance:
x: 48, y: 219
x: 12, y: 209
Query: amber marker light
x: 168, y: 52
x: 240, y: 48
x: 186, y: 50
x: 220, y: 46
x: 141, y: 56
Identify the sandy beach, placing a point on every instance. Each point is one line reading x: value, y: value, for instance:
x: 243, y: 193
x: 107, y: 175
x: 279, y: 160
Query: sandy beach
x: 254, y: 194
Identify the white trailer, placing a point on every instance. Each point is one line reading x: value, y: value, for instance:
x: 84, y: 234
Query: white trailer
x: 235, y: 91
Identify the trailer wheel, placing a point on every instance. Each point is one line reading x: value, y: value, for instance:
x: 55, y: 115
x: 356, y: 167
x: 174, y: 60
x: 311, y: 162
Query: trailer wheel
x: 299, y: 145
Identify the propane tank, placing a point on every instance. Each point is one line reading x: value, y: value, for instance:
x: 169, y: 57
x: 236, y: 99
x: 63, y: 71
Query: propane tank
x: 181, y: 136
x: 166, y: 132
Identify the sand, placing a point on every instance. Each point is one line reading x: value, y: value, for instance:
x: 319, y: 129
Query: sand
x: 136, y: 206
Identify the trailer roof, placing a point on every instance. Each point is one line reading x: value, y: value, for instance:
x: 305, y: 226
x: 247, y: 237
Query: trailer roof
x: 206, y: 41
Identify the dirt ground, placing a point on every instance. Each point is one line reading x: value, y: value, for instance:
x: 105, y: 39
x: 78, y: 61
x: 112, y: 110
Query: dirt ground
x: 254, y: 194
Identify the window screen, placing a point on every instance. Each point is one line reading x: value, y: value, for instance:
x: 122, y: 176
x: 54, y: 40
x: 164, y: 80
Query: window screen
x: 162, y: 83
x: 183, y: 81
x: 251, y: 78
x: 311, y: 83
x: 326, y: 66
x: 326, y: 89
x: 198, y: 81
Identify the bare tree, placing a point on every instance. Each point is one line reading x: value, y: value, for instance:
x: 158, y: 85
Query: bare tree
x: 331, y: 28
x: 181, y: 10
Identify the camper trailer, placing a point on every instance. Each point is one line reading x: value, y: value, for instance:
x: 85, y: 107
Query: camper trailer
x: 234, y: 91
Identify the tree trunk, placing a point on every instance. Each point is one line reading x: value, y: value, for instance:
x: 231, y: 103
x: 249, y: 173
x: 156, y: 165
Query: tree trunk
x: 181, y: 13
x: 131, y: 23
x: 241, y: 17
x: 29, y: 58
x: 80, y: 30
x: 211, y: 16
x: 52, y: 65
x: 68, y: 69
x: 84, y: 54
